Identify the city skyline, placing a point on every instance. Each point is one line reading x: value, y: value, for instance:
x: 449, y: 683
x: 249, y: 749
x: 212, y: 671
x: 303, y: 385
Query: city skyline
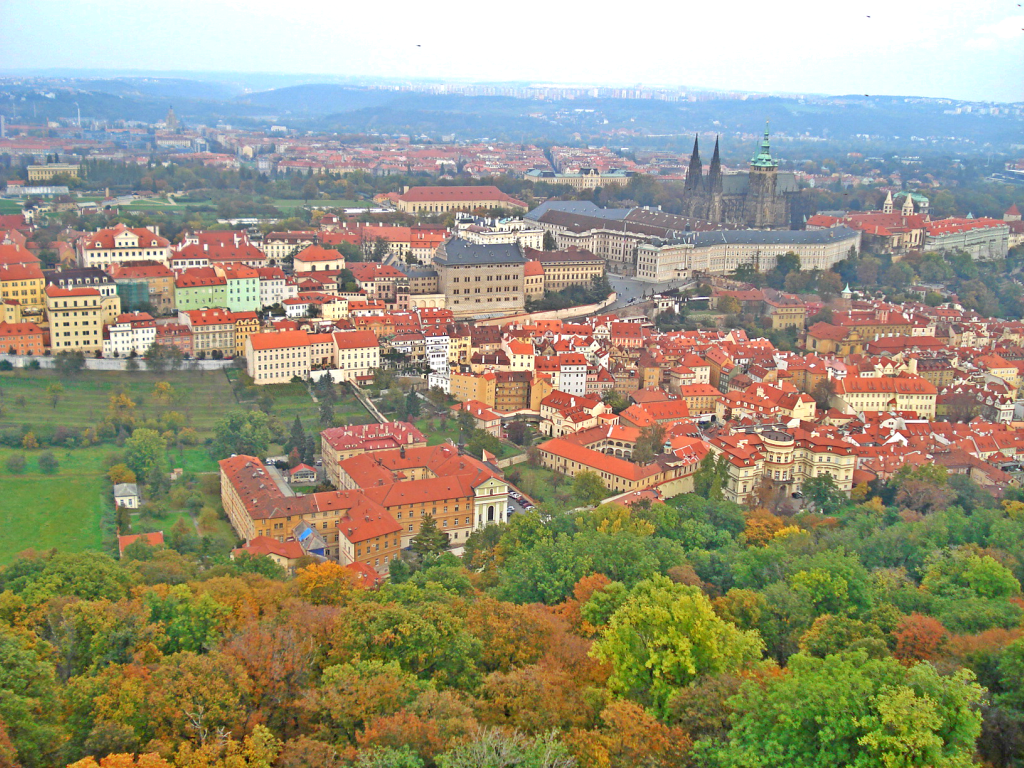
x: 949, y: 52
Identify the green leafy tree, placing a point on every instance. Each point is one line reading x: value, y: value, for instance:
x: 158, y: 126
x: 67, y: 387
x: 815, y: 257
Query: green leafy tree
x: 823, y: 492
x: 242, y: 432
x: 144, y: 450
x: 69, y: 364
x: 545, y: 572
x: 431, y: 541
x: 587, y: 488
x: 850, y: 710
x: 28, y: 704
x: 664, y: 637
x: 54, y: 392
x: 412, y: 405
x: 650, y: 444
x: 710, y: 476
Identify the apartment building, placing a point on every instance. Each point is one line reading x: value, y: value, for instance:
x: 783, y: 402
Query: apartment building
x: 24, y: 284
x: 130, y: 332
x: 144, y: 285
x: 75, y: 317
x: 431, y: 200
x: 906, y: 392
x: 480, y: 279
x: 122, y: 245
x: 340, y: 443
x: 571, y: 267
x: 213, y: 331
x: 278, y: 357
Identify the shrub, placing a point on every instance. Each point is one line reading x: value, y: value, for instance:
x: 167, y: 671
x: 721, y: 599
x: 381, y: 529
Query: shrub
x: 48, y: 463
x: 16, y: 463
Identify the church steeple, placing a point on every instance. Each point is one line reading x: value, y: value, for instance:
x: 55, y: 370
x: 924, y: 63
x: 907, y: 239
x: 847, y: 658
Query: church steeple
x: 715, y: 171
x: 763, y: 159
x: 695, y: 174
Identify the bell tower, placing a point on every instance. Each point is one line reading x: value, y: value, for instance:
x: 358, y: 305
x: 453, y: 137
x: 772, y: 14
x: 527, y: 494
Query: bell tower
x: 762, y: 187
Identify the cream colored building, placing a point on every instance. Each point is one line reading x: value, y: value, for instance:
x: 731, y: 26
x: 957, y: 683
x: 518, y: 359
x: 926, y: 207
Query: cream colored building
x: 722, y: 251
x: 481, y: 280
x: 75, y: 317
x: 856, y: 394
x: 584, y: 178
x: 122, y: 245
x: 48, y: 171
x: 785, y: 460
x: 433, y: 200
x: 277, y: 358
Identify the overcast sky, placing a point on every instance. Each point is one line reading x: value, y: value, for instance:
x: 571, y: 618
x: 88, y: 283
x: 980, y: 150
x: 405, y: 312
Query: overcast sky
x: 965, y: 49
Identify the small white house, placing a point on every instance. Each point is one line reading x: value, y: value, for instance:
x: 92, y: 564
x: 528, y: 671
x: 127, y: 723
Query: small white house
x: 126, y: 495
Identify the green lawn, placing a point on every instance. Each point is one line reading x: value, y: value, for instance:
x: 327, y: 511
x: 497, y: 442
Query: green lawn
x: 431, y: 428
x: 541, y: 484
x: 289, y: 205
x: 204, y: 397
x: 64, y: 510
x: 9, y: 206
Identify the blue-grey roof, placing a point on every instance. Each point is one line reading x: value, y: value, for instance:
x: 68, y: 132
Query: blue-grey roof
x: 770, y: 237
x: 458, y: 252
x: 582, y: 207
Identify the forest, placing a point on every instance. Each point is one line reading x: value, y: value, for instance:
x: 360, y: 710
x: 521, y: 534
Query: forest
x: 878, y: 630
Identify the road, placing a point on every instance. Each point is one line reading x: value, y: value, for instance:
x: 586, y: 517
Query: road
x: 629, y: 288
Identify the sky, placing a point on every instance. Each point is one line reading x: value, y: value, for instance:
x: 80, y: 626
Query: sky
x: 967, y: 49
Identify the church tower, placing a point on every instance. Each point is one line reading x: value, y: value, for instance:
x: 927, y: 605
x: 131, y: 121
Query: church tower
x: 908, y: 206
x: 171, y: 121
x: 715, y: 210
x: 695, y: 174
x: 887, y: 205
x: 761, y: 203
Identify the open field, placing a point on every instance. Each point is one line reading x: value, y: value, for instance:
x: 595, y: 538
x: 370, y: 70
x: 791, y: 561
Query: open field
x: 203, y: 398
x: 64, y: 510
x: 10, y: 206
x: 290, y: 205
x: 541, y: 484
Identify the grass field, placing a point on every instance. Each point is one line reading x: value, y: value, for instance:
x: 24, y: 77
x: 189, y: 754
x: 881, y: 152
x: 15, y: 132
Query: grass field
x: 290, y: 205
x: 541, y: 484
x: 64, y: 510
x: 204, y: 397
x: 10, y: 206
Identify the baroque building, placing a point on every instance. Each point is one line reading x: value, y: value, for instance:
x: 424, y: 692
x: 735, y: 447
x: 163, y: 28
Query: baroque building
x: 759, y: 198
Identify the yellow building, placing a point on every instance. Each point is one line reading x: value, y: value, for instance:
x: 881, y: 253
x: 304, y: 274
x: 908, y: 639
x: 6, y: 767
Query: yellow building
x: 444, y: 199
x: 246, y: 324
x: 781, y: 462
x: 23, y: 284
x: 474, y: 386
x: 75, y: 317
x: 855, y: 394
x: 48, y: 171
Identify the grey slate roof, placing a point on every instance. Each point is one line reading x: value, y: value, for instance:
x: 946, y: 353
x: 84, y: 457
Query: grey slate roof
x: 770, y: 237
x: 125, y: 489
x: 456, y: 252
x: 582, y: 207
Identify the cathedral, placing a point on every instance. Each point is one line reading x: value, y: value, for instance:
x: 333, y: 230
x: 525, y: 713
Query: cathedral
x: 759, y: 198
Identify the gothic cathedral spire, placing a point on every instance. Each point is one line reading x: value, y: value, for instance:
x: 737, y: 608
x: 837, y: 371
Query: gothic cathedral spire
x: 694, y: 176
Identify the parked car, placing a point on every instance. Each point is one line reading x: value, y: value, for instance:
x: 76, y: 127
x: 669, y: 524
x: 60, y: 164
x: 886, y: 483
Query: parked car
x: 797, y: 495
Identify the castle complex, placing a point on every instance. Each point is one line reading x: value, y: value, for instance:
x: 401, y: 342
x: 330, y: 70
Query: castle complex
x: 759, y: 198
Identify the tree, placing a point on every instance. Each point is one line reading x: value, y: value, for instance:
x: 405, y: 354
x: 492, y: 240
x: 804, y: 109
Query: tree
x: 242, y: 432
x: 493, y: 748
x: 666, y: 635
x: 69, y: 364
x: 729, y: 305
x: 326, y: 414
x: 710, y: 476
x: 325, y: 583
x: 550, y: 244
x: 119, y: 473
x: 823, y: 492
x: 29, y: 442
x: 823, y: 393
x: 650, y: 444
x: 412, y: 405
x: 144, y: 450
x: 15, y: 463
x: 588, y: 489
x: 48, y: 463
x: 54, y: 391
x: 431, y: 541
x: 849, y: 710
